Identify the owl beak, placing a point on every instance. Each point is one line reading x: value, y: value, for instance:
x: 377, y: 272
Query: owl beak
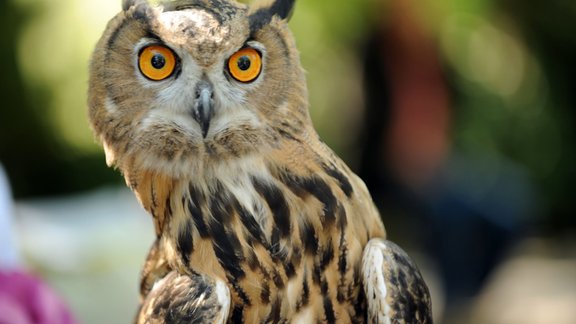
x: 204, y: 106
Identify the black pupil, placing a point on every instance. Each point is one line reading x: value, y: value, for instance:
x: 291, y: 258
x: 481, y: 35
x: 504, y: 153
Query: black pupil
x: 158, y: 61
x: 243, y: 63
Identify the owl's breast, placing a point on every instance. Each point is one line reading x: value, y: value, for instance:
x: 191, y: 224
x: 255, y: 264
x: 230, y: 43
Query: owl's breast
x: 286, y: 245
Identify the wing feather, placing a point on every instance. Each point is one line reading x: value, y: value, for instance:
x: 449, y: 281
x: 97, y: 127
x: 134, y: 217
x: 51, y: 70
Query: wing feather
x: 394, y: 287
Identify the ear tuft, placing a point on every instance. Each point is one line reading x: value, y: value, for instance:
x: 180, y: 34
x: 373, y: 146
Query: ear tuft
x: 283, y: 8
x: 137, y: 9
x: 127, y: 4
x: 261, y: 17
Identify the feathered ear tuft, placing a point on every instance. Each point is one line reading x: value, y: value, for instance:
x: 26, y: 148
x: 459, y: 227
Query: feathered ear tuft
x: 137, y: 9
x: 127, y: 4
x: 281, y: 8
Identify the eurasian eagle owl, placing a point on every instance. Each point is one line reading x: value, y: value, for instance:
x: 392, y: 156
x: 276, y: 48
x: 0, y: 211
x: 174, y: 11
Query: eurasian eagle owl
x: 202, y: 105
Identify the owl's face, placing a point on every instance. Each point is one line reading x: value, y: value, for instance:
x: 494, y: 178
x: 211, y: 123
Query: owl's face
x: 194, y: 82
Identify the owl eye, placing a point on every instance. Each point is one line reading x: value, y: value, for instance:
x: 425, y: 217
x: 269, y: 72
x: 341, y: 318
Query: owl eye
x: 157, y: 62
x: 245, y: 65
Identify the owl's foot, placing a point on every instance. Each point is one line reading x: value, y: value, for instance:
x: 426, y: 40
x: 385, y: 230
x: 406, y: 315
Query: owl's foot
x: 178, y: 298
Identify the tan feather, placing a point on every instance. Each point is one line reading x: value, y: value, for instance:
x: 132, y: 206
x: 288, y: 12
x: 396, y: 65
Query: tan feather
x: 243, y: 193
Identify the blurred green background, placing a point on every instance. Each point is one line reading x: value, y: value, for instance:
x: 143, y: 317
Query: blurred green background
x: 509, y: 65
x: 501, y: 76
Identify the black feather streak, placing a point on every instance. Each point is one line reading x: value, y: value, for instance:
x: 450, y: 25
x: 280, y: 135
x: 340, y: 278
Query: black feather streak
x: 309, y: 239
x: 343, y: 255
x: 265, y: 293
x: 250, y: 223
x: 225, y: 243
x: 289, y: 270
x: 277, y: 279
x: 326, y: 256
x: 344, y: 183
x: 328, y: 307
x: 329, y: 310
x: 342, y: 249
x: 277, y: 204
x: 185, y: 243
x: 226, y: 247
x: 305, y: 291
x: 241, y: 293
x: 316, y: 275
x: 301, y: 186
x: 196, y: 200
x: 274, y: 315
x: 237, y: 314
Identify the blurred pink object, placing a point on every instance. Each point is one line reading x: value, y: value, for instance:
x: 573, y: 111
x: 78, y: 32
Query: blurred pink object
x: 25, y: 299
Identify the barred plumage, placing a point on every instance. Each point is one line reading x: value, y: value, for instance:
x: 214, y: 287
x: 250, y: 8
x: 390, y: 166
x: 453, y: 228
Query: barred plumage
x: 256, y: 219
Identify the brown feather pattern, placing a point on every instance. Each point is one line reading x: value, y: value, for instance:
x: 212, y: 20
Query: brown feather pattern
x: 255, y: 221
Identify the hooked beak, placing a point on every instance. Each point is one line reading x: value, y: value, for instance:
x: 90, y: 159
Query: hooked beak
x: 203, y: 106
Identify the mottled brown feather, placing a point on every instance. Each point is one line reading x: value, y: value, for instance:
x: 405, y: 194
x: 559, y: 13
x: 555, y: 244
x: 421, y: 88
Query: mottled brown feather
x: 258, y: 202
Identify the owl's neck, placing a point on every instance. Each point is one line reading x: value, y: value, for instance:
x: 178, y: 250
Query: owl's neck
x: 162, y: 194
x: 255, y: 184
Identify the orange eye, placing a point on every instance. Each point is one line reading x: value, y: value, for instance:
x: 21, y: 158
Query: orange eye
x: 157, y: 62
x: 245, y: 65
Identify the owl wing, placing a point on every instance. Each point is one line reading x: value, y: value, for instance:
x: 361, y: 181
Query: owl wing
x: 395, y: 290
x: 178, y: 298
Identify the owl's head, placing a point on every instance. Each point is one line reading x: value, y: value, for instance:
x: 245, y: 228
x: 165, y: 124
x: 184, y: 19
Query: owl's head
x: 195, y: 82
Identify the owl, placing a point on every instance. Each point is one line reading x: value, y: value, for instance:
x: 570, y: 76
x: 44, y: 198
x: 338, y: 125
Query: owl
x: 202, y: 106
